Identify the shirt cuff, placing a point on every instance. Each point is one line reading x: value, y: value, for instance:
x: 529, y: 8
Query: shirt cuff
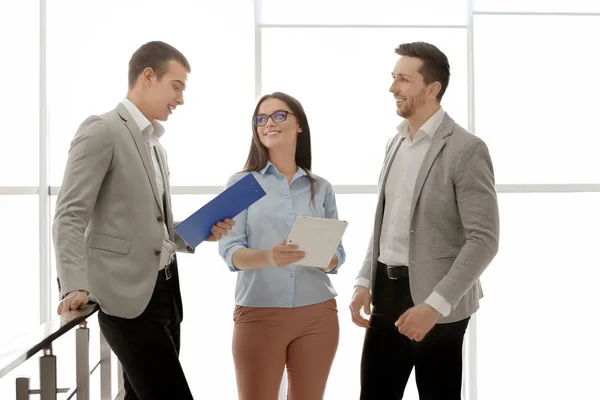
x: 334, y: 271
x: 360, y: 281
x: 229, y: 257
x: 440, y: 304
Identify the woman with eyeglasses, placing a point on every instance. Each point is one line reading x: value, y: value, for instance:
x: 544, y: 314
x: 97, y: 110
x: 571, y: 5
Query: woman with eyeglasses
x: 285, y: 314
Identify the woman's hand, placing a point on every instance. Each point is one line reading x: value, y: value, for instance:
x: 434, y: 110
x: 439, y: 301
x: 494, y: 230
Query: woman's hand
x: 332, y: 264
x: 282, y: 254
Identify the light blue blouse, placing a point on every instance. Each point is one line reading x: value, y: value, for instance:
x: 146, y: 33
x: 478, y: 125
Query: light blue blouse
x: 269, y: 221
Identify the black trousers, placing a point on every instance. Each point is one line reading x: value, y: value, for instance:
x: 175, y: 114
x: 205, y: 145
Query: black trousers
x: 389, y: 357
x: 148, y: 346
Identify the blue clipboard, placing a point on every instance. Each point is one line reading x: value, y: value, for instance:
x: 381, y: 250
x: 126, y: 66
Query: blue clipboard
x: 232, y: 201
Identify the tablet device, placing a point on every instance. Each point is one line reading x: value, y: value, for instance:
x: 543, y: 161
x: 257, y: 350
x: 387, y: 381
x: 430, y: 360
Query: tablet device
x: 318, y: 238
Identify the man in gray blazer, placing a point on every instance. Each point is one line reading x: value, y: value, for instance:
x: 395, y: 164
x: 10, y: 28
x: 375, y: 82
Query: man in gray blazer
x: 436, y: 230
x: 113, y: 228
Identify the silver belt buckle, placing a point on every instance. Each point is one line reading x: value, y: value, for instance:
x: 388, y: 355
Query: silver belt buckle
x: 167, y: 273
x: 387, y: 269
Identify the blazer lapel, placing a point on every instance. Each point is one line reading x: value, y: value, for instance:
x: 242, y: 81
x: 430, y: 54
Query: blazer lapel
x: 438, y: 143
x: 142, y: 148
x: 388, y: 164
x: 167, y: 204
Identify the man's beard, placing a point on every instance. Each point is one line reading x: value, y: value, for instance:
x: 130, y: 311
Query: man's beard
x: 412, y: 105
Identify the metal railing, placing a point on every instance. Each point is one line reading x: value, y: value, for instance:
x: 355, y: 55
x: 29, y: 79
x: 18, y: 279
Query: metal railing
x: 21, y: 349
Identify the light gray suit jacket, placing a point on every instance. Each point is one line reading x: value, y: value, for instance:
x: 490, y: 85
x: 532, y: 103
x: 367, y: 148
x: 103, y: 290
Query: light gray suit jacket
x: 108, y: 225
x: 454, y: 229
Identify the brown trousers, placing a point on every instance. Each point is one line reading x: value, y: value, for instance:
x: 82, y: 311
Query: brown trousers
x: 304, y: 339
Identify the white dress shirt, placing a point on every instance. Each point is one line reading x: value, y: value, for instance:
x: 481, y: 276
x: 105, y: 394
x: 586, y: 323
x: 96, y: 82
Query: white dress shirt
x: 152, y: 135
x: 399, y: 190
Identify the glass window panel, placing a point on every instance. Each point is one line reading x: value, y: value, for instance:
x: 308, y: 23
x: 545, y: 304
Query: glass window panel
x: 542, y: 6
x: 374, y: 12
x: 208, y: 285
x: 29, y: 369
x: 65, y: 367
x: 64, y: 350
x: 536, y: 323
x: 20, y: 249
x: 533, y: 104
x: 19, y: 41
x: 203, y: 136
x: 207, y: 288
x: 20, y: 294
x: 344, y: 379
x: 54, y: 294
x: 342, y: 77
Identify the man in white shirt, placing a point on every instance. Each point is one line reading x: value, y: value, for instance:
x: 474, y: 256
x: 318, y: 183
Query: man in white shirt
x: 436, y: 230
x: 113, y: 229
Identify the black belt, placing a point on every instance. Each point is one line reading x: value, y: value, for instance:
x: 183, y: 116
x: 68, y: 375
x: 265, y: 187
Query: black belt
x: 396, y: 271
x: 166, y: 273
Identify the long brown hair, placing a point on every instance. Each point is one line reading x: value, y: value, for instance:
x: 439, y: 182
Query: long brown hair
x: 258, y: 156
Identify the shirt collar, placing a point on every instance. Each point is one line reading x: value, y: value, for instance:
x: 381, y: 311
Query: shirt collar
x: 298, y: 174
x: 155, y: 131
x: 429, y: 127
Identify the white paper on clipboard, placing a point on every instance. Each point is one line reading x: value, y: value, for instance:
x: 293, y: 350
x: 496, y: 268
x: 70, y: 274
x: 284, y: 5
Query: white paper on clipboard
x: 318, y: 238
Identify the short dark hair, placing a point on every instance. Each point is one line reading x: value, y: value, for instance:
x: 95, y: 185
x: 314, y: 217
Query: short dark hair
x: 435, y: 66
x: 155, y: 55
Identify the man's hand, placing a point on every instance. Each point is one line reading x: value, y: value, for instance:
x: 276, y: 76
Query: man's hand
x: 73, y: 301
x: 220, y: 229
x: 361, y: 298
x: 417, y: 321
x: 282, y: 254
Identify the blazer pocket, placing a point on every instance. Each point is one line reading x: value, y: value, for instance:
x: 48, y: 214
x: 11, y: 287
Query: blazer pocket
x: 109, y: 243
x: 444, y: 258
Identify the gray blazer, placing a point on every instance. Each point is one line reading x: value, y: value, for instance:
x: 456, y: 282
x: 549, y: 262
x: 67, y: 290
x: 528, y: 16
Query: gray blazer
x: 108, y: 226
x: 454, y: 229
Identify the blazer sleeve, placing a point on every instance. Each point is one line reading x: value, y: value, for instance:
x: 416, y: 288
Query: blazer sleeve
x: 181, y: 245
x: 478, y: 207
x: 88, y: 162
